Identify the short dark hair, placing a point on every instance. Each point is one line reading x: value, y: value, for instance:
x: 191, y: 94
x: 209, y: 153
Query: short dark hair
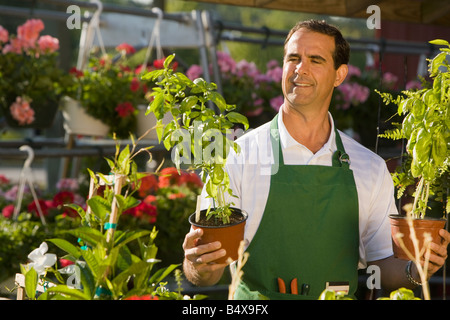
x: 341, y: 54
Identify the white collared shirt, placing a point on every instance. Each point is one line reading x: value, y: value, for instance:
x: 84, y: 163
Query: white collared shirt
x: 250, y: 170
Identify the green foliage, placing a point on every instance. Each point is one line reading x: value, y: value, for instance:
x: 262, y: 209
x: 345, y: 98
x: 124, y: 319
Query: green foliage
x: 204, y: 133
x: 104, y: 265
x: 401, y: 294
x: 426, y: 127
x: 18, y: 238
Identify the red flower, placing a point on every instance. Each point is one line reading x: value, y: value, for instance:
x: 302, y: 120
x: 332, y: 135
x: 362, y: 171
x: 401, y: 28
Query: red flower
x: 126, y: 47
x: 125, y: 109
x: 144, y: 211
x: 178, y: 195
x: 63, y: 197
x: 150, y: 199
x: 3, y: 179
x: 169, y: 176
x: 159, y: 64
x: 8, y: 211
x: 32, y: 207
x: 77, y: 73
x: 134, y: 86
x: 138, y: 69
x: 144, y: 297
x: 149, y: 183
x: 65, y: 262
x: 191, y: 179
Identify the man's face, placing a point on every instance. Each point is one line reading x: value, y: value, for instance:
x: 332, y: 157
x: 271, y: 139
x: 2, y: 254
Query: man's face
x: 309, y: 75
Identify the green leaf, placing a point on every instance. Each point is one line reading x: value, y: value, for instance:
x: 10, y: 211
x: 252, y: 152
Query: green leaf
x: 162, y: 273
x: 67, y: 247
x: 100, y: 207
x: 130, y: 236
x: 31, y: 280
x: 439, y: 42
x: 238, y: 118
x: 168, y: 61
x: 436, y: 62
x: 64, y: 290
x: 89, y: 235
x: 218, y: 100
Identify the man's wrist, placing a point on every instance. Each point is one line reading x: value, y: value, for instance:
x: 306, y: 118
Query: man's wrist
x: 409, y: 275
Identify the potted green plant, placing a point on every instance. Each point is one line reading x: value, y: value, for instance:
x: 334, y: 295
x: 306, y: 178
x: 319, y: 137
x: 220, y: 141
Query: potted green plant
x: 426, y: 128
x: 205, y: 143
x: 31, y: 81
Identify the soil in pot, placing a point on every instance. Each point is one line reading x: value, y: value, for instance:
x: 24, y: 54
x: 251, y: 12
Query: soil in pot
x: 399, y: 223
x: 230, y: 235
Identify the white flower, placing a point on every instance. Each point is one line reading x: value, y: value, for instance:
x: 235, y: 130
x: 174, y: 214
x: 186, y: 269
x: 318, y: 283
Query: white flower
x: 40, y: 259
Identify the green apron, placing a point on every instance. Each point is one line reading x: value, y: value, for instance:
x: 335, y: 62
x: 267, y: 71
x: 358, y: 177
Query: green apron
x: 309, y: 230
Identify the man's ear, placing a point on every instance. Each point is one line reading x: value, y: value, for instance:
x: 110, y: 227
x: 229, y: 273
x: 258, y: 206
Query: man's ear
x: 341, y: 74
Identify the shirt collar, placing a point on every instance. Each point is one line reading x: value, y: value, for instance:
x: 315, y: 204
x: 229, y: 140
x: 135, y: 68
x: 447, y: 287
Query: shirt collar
x: 287, y: 141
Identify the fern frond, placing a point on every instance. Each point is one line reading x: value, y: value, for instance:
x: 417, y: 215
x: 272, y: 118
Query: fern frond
x: 394, y: 134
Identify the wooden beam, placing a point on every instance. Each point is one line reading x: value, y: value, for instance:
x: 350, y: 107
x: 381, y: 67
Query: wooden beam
x: 353, y: 7
x: 434, y: 10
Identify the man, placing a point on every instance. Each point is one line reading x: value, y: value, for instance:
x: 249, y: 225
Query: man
x: 318, y: 210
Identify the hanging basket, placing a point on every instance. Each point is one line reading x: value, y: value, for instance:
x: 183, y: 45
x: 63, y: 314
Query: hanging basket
x: 77, y: 121
x: 145, y: 122
x: 44, y: 115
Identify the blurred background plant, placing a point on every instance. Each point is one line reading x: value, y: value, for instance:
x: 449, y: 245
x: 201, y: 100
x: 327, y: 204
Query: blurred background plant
x: 19, y: 236
x: 167, y: 200
x: 31, y: 81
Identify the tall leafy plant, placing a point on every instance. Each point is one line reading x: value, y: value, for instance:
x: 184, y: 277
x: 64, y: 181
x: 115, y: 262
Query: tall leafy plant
x: 198, y: 135
x: 426, y: 127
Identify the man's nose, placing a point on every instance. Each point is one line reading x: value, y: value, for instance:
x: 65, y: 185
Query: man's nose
x: 302, y: 67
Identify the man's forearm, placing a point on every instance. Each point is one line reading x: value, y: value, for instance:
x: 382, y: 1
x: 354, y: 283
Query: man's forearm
x: 393, y: 275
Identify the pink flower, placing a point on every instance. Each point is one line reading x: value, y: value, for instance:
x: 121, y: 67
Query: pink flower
x: 4, y: 35
x: 68, y: 184
x: 29, y: 31
x: 272, y: 64
x: 8, y: 211
x: 226, y: 63
x: 48, y: 44
x: 129, y: 49
x: 353, y: 94
x: 275, y: 74
x: 413, y: 84
x: 353, y: 71
x: 195, y: 71
x: 125, y: 109
x: 244, y: 67
x: 276, y: 102
x: 21, y: 111
x: 254, y: 113
x: 15, y: 46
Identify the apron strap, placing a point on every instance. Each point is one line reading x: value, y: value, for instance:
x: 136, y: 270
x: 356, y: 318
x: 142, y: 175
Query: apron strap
x: 340, y: 157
